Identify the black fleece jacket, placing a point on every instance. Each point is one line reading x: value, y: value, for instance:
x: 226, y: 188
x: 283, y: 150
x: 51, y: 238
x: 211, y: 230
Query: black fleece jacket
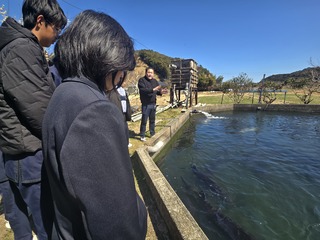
x: 147, y: 95
x: 26, y: 87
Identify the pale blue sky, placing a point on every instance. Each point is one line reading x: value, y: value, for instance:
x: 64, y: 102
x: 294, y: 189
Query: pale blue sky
x: 228, y: 37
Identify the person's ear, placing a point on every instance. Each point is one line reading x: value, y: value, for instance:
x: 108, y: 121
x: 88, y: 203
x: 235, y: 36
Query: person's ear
x: 108, y: 82
x: 40, y: 21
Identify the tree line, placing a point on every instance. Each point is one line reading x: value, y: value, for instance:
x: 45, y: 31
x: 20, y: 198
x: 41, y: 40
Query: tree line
x: 304, y: 83
x: 303, y: 87
x: 161, y: 64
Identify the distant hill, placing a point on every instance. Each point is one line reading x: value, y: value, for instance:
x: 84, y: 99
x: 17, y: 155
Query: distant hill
x: 161, y: 62
x: 298, y: 75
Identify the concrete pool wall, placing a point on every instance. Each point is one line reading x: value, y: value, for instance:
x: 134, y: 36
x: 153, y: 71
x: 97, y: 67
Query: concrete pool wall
x: 303, y: 108
x: 178, y: 219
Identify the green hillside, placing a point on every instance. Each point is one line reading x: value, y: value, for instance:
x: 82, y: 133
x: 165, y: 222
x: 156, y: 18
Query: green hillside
x: 207, y: 80
x: 161, y: 64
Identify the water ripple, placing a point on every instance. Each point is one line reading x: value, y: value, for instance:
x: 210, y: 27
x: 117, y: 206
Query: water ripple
x: 266, y: 164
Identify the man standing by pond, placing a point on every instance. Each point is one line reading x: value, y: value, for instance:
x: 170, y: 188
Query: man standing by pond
x: 149, y: 88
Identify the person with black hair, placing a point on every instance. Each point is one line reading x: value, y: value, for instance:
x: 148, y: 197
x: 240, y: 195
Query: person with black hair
x: 26, y: 87
x: 84, y: 135
x: 149, y: 88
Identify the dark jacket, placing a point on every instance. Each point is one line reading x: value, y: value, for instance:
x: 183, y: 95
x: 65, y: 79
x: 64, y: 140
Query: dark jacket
x: 89, y: 167
x: 55, y: 75
x: 115, y: 97
x: 26, y: 87
x: 147, y: 95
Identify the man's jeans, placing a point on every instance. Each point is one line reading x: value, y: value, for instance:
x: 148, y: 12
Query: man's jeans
x: 148, y: 111
x: 24, y: 173
x: 18, y: 218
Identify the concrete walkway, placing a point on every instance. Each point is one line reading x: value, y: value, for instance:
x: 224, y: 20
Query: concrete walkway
x: 169, y: 217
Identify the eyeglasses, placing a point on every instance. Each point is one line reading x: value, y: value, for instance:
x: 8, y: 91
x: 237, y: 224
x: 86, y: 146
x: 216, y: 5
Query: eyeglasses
x: 54, y: 27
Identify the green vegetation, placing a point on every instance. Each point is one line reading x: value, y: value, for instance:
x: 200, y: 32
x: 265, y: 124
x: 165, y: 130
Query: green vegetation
x: 161, y: 65
x: 159, y: 62
x: 237, y: 87
x: 281, y: 97
x: 304, y: 88
x: 305, y: 83
x: 207, y: 81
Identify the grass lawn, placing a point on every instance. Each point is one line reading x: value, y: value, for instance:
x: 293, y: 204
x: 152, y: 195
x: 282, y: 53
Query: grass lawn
x: 249, y: 98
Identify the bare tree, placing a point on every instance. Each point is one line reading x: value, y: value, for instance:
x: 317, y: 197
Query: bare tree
x: 237, y: 87
x: 269, y: 92
x: 305, y: 87
x: 3, y: 13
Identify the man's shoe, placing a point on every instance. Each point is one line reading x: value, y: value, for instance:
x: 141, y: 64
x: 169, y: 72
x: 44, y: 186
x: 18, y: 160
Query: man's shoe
x: 7, y: 224
x: 143, y: 139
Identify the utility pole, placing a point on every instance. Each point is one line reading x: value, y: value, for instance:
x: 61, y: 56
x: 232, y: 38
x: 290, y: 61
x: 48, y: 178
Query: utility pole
x: 261, y: 88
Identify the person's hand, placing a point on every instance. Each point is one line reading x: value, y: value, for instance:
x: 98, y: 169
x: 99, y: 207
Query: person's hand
x: 157, y: 88
x: 164, y: 91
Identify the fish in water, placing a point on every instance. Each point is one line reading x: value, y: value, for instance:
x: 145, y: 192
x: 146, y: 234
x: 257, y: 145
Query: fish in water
x: 234, y: 231
x: 201, y: 194
x: 226, y: 225
x: 211, y: 184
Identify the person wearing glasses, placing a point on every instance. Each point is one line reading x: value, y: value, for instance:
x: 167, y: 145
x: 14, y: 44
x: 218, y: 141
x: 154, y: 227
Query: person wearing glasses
x: 26, y: 87
x: 84, y: 135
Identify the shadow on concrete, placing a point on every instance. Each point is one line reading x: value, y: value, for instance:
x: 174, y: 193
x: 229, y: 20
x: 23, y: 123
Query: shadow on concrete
x: 159, y: 225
